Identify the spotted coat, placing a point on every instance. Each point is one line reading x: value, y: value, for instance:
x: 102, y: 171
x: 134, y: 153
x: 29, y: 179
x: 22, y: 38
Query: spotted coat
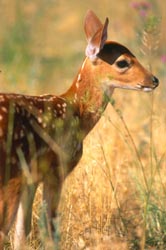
x: 40, y: 123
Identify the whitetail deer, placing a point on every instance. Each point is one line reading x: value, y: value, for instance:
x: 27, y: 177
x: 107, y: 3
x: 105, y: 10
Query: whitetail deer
x: 41, y: 137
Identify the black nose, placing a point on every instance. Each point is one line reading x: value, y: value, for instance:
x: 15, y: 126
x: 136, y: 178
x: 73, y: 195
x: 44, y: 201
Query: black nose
x: 155, y: 81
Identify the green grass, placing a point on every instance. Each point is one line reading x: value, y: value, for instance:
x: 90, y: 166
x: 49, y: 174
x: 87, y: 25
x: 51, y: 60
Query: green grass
x: 115, y: 198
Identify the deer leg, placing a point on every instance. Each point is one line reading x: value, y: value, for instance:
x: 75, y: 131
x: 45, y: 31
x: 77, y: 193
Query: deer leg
x: 2, y: 236
x: 9, y: 200
x: 51, y: 197
x: 24, y: 214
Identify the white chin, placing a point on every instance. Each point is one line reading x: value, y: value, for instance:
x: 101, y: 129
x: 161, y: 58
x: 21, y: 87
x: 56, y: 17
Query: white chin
x: 147, y: 89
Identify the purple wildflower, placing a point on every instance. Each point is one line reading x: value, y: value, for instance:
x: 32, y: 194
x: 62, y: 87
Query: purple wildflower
x: 145, y: 5
x: 163, y: 58
x: 142, y: 7
x: 143, y: 13
x: 135, y: 5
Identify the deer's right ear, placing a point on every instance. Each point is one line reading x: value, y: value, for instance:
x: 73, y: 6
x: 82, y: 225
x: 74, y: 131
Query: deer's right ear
x: 96, y: 34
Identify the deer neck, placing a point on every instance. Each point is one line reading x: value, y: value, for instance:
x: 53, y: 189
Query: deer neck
x: 88, y: 95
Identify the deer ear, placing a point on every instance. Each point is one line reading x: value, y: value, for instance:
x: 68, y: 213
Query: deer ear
x: 96, y: 34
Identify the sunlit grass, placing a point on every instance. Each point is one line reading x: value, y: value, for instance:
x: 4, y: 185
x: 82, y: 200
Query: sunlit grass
x: 115, y: 198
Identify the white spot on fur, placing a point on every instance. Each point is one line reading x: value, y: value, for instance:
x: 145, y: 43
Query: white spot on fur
x: 75, y: 96
x: 2, y: 99
x: 79, y: 78
x: 83, y: 65
x: 64, y: 110
x: 64, y: 116
x: 15, y: 136
x: 77, y: 85
x: 4, y: 109
x: 64, y: 105
x: 44, y: 125
x: 19, y: 237
x: 39, y: 119
x: 22, y: 133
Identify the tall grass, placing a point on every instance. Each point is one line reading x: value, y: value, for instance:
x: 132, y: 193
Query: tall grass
x: 115, y: 198
x: 151, y: 205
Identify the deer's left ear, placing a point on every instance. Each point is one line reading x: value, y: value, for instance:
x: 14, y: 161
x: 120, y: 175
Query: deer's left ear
x: 96, y: 34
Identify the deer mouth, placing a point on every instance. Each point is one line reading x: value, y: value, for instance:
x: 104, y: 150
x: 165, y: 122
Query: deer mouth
x: 145, y: 88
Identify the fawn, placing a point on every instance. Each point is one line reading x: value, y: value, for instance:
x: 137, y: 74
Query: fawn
x: 41, y: 137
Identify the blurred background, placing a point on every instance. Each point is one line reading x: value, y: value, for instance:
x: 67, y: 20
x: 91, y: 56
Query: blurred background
x: 115, y: 198
x: 43, y: 42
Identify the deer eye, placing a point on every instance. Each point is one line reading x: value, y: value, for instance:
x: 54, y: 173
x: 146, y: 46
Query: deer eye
x: 122, y: 64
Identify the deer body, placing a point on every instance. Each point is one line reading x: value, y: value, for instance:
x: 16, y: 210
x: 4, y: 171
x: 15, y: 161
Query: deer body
x: 41, y: 137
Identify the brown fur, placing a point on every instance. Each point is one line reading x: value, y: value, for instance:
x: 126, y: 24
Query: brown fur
x: 41, y: 137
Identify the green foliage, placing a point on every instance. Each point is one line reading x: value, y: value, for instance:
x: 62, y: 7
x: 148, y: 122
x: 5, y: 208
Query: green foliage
x: 156, y: 226
x: 18, y: 55
x: 15, y: 47
x: 152, y: 24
